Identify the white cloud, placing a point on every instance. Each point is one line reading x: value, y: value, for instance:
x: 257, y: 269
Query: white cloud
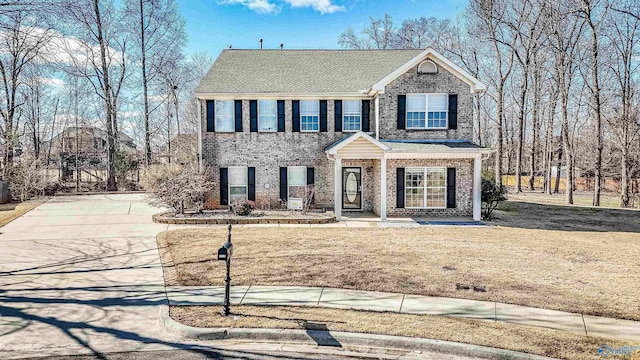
x: 321, y: 6
x: 260, y: 6
x: 55, y: 82
x: 268, y: 7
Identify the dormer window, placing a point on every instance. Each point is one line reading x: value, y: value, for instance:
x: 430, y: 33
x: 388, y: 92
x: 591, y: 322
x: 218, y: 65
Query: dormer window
x: 427, y: 67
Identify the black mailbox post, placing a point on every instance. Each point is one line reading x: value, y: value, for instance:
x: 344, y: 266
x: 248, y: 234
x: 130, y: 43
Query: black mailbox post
x: 224, y: 253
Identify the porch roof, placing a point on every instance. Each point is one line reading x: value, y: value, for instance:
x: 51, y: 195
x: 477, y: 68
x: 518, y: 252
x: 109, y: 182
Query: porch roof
x: 407, y: 148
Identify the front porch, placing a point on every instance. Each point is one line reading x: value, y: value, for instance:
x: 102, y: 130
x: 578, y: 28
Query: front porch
x: 369, y: 175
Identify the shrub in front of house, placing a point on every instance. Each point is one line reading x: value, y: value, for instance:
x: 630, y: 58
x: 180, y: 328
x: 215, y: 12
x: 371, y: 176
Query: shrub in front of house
x: 242, y: 207
x: 178, y: 186
x: 492, y: 195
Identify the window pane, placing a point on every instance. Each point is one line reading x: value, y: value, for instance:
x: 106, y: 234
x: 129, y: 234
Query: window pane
x: 238, y: 175
x: 351, y: 107
x: 224, y: 116
x: 309, y: 107
x: 438, y: 102
x: 267, y: 115
x: 297, y: 175
x: 416, y: 102
x: 237, y: 193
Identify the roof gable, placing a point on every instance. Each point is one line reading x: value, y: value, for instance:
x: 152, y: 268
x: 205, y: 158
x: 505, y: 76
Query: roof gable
x: 431, y: 54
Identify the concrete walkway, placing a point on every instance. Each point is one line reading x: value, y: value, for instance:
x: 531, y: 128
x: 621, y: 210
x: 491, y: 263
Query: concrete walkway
x: 408, y: 304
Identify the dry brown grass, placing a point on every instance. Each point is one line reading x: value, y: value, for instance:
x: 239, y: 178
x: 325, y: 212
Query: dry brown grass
x: 557, y: 344
x: 12, y: 211
x: 577, y: 271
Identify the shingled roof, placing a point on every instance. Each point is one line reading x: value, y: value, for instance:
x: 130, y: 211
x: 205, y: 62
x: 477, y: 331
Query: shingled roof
x: 301, y: 71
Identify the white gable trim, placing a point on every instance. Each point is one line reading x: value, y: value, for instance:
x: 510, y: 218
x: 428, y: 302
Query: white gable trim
x: 350, y: 139
x: 429, y: 53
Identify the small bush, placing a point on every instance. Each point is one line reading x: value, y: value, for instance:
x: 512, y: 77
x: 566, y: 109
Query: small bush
x: 242, y: 207
x: 492, y: 195
x: 179, y: 187
x: 26, y: 179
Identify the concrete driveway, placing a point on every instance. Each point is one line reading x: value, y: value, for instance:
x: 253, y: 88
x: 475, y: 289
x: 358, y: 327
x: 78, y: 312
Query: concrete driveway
x: 81, y: 274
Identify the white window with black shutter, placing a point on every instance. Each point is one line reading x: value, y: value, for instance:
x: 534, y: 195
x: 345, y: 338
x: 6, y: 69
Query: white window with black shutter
x: 296, y: 184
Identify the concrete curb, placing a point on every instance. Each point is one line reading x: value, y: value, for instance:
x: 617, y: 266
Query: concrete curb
x: 336, y: 338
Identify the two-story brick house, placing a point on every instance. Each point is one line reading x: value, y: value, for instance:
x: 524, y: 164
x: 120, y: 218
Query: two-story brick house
x: 387, y: 131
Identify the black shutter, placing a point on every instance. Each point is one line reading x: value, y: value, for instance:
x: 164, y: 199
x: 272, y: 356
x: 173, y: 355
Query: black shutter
x: 311, y: 180
x: 224, y: 186
x: 238, y: 115
x: 253, y: 115
x: 283, y: 183
x: 402, y: 110
x: 251, y: 191
x: 295, y: 115
x: 211, y: 116
x: 365, y: 115
x: 337, y: 104
x: 280, y: 115
x: 399, y: 188
x: 323, y: 115
x: 451, y: 187
x: 453, y: 111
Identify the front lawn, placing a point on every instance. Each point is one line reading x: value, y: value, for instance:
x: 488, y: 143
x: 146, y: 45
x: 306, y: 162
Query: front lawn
x: 12, y: 211
x: 540, y: 341
x: 575, y: 260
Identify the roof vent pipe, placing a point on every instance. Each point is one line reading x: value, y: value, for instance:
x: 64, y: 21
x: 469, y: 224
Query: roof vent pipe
x: 260, y: 44
x: 281, y: 46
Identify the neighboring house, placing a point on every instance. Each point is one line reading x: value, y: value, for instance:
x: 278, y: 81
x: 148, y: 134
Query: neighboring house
x: 387, y: 131
x: 91, y: 141
x: 92, y: 151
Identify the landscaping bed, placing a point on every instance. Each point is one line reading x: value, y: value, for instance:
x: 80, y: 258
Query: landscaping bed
x: 256, y: 217
x: 539, y: 341
x: 575, y: 260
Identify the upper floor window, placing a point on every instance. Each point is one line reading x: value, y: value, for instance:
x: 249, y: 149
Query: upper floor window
x: 351, y: 115
x: 267, y: 115
x: 309, y: 115
x: 225, y: 116
x: 427, y: 111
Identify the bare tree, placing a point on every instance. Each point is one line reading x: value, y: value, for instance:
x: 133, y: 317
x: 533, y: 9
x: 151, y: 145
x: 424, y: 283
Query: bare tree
x: 22, y: 39
x: 378, y: 35
x: 624, y: 37
x: 96, y: 24
x: 490, y: 21
x: 159, y: 35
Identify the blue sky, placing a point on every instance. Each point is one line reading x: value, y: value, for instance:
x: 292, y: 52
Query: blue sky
x: 214, y: 24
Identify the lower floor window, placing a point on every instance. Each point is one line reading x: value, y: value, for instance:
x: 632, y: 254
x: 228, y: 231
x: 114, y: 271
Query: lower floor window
x: 297, y: 186
x: 238, y: 183
x: 425, y: 187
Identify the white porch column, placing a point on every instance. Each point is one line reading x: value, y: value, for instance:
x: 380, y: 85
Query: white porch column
x: 337, y: 195
x: 383, y: 190
x: 477, y: 188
